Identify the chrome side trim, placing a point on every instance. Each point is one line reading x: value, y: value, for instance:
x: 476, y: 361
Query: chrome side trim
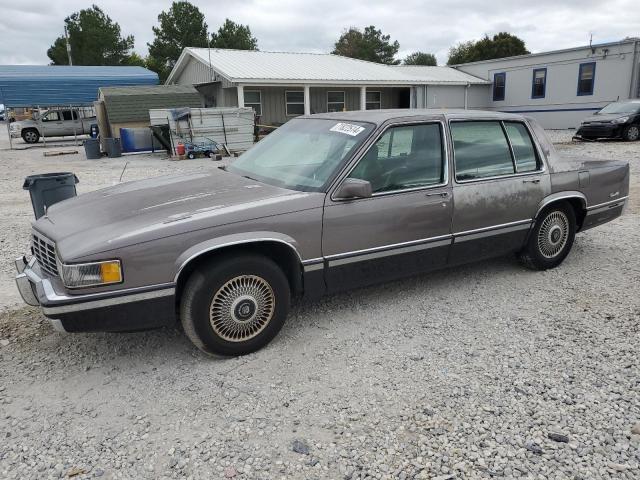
x: 230, y: 244
x: 386, y: 247
x: 610, y: 202
x: 314, y: 267
x: 526, y: 222
x: 389, y: 252
x: 311, y: 261
x: 108, y: 302
x: 580, y: 196
x: 495, y: 231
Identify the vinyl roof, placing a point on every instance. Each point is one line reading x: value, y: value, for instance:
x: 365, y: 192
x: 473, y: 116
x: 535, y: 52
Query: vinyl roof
x: 46, y: 85
x: 247, y: 66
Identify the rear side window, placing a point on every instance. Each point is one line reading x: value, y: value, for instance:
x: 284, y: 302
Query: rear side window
x: 480, y: 150
x: 523, y: 149
x: 66, y: 115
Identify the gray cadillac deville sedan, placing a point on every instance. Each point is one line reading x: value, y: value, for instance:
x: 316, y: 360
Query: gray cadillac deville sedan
x: 325, y: 203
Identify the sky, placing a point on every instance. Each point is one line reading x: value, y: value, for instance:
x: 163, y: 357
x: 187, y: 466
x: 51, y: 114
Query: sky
x: 29, y: 27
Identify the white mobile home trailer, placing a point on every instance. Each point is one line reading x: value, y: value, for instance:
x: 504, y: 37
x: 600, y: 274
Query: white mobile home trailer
x: 562, y: 87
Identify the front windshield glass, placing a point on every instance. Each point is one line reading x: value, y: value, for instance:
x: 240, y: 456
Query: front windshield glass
x: 620, y: 107
x: 303, y: 154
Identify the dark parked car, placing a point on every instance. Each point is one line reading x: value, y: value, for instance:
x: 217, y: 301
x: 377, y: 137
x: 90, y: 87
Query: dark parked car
x: 616, y: 120
x: 325, y: 203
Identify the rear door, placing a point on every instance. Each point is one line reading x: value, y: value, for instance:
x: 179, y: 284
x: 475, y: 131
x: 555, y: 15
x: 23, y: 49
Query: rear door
x: 500, y: 180
x: 71, y: 122
x: 404, y: 228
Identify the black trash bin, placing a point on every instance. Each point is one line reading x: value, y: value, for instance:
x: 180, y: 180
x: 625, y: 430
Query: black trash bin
x: 114, y: 148
x: 49, y: 188
x: 92, y: 149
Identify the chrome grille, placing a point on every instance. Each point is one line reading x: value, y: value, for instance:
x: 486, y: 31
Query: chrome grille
x: 45, y: 252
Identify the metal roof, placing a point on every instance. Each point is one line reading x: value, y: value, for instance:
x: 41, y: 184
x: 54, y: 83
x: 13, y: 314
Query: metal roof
x: 248, y: 66
x: 46, y: 85
x: 443, y: 75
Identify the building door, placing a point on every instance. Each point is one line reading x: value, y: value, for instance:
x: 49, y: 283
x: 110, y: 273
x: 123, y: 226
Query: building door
x: 499, y: 183
x: 404, y: 227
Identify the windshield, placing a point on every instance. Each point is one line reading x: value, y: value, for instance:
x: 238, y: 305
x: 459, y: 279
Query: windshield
x: 303, y: 154
x: 620, y: 107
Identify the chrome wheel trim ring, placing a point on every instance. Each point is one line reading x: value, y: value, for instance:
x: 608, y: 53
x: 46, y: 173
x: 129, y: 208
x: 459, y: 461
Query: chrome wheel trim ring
x: 633, y: 133
x: 553, y: 234
x: 242, y: 308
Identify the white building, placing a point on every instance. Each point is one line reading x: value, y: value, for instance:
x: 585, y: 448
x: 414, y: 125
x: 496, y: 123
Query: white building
x: 560, y: 88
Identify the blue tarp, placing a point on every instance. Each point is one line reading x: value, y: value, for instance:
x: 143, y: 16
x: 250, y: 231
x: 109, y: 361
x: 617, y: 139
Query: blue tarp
x: 46, y: 85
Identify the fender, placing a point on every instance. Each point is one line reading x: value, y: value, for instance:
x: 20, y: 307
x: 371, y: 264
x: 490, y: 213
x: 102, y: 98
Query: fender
x: 554, y: 197
x: 231, y: 240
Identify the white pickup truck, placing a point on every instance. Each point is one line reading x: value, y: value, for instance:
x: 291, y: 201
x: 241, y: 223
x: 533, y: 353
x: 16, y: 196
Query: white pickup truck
x: 53, y: 123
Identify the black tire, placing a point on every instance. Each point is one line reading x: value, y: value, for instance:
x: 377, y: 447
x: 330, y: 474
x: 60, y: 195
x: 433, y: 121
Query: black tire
x: 211, y: 154
x: 30, y: 135
x: 191, y: 155
x: 631, y: 133
x: 220, y: 292
x: 551, y: 238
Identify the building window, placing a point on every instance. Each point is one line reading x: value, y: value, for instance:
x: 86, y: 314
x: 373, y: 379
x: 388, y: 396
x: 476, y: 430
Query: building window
x: 539, y: 84
x: 374, y: 100
x: 253, y: 99
x: 294, y: 103
x: 499, y: 82
x: 335, y: 102
x: 586, y: 78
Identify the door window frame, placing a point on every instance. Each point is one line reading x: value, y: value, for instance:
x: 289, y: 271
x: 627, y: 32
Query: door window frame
x: 365, y: 149
x: 539, y: 158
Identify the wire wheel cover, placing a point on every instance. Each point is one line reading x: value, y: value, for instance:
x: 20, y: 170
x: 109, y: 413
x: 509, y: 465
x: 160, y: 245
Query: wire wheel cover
x: 553, y: 234
x: 242, y: 308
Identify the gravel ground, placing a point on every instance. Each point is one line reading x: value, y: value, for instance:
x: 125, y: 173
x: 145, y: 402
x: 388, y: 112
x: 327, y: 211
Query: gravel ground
x: 487, y: 370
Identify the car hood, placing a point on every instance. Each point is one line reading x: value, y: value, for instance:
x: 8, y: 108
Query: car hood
x: 603, y: 117
x: 140, y: 211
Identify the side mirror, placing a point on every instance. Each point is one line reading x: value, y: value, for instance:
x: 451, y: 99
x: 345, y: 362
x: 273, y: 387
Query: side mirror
x: 354, y: 188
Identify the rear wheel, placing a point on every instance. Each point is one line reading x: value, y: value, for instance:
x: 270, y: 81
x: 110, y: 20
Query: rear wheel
x: 551, y: 238
x: 235, y: 305
x: 631, y: 133
x: 30, y: 135
x: 191, y: 155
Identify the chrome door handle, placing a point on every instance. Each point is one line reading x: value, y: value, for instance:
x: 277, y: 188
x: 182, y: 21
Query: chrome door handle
x: 535, y: 180
x: 438, y: 194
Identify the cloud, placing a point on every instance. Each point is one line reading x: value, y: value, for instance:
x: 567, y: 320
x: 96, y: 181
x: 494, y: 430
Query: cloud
x: 30, y: 26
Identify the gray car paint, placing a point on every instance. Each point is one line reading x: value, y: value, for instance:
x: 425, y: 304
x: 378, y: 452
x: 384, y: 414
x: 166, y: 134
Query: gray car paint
x: 157, y: 226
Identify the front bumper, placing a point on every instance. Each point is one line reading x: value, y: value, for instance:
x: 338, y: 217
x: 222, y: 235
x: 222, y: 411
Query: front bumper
x: 600, y: 130
x: 121, y: 310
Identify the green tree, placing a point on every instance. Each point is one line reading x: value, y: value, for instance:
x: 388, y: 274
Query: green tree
x: 501, y: 45
x: 421, y: 58
x: 369, y: 44
x: 182, y: 26
x: 234, y: 35
x: 95, y: 39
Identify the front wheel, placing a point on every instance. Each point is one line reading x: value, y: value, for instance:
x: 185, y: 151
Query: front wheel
x: 31, y: 135
x: 234, y: 305
x: 551, y: 238
x: 631, y: 133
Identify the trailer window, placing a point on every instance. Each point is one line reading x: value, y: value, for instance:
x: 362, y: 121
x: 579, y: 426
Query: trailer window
x: 586, y: 78
x: 539, y: 83
x: 499, y: 86
x: 253, y: 99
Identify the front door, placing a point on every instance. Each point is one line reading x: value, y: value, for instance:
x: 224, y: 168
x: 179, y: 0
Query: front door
x: 404, y: 228
x: 52, y: 124
x: 499, y: 183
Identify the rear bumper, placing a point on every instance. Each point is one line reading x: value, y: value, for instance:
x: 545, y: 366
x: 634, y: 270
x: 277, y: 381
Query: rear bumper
x: 604, y: 212
x: 122, y: 310
x: 600, y: 131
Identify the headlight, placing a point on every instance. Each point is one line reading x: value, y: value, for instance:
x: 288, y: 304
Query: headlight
x: 620, y: 120
x: 91, y: 274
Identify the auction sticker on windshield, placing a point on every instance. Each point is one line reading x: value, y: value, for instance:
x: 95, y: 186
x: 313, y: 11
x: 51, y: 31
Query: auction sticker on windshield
x: 347, y: 128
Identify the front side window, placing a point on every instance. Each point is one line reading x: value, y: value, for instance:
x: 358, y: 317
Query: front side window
x: 539, y: 86
x: 51, y: 117
x: 294, y: 103
x: 253, y: 99
x: 373, y: 100
x: 522, y: 145
x: 499, y: 86
x: 335, y: 102
x: 586, y: 78
x: 404, y: 157
x: 304, y: 154
x: 481, y: 150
